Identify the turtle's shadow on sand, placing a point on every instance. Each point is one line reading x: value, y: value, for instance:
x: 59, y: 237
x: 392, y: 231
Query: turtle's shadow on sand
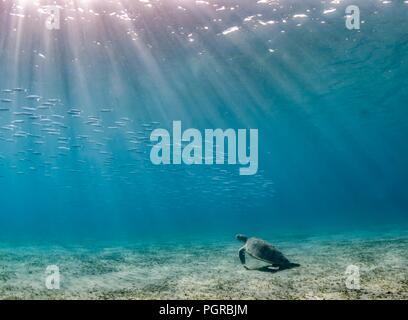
x: 271, y: 269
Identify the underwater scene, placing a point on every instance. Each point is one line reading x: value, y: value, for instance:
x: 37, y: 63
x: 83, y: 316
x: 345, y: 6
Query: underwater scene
x: 203, y: 149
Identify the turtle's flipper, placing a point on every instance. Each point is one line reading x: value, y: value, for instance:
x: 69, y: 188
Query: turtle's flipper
x: 241, y: 254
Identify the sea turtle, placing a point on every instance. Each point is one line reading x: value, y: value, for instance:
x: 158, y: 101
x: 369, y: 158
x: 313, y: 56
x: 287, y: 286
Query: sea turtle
x: 264, y: 251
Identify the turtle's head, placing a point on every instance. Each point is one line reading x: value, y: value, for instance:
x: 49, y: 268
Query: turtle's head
x: 241, y: 237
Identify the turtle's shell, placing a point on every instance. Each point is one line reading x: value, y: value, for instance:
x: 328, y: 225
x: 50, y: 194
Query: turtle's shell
x: 264, y: 251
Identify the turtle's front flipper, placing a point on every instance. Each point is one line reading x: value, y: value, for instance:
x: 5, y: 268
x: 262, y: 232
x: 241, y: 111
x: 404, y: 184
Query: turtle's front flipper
x: 241, y: 254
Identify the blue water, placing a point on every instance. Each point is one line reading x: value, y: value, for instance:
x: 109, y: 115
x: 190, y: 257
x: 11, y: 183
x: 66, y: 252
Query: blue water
x: 330, y: 105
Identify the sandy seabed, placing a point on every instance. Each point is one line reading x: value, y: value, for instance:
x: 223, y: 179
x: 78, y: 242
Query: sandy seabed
x: 208, y: 270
